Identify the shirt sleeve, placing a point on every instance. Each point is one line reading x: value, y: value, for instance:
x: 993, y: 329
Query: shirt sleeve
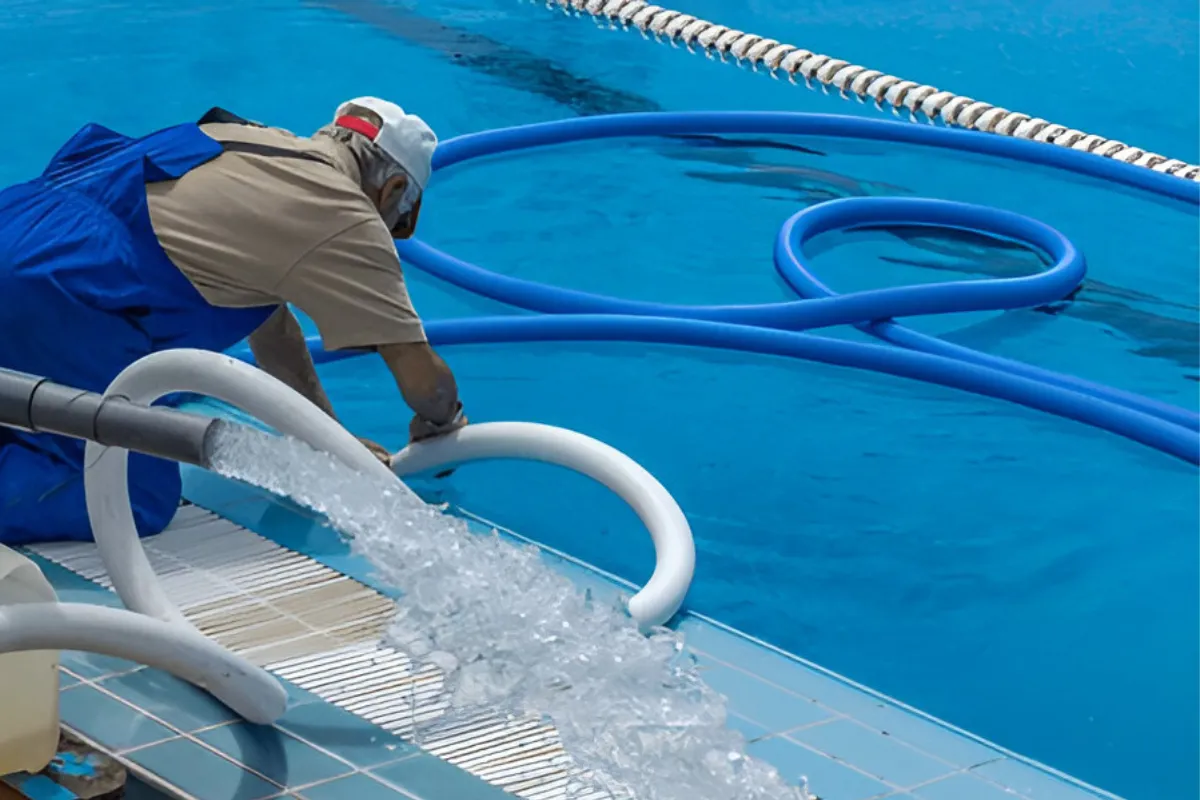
x: 352, y: 287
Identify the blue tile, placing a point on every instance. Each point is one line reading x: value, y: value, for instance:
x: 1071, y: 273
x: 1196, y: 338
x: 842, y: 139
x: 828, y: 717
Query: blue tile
x: 1030, y: 781
x: 298, y: 696
x: 344, y: 734
x: 201, y: 773
x: 429, y: 778
x: 926, y: 735
x: 274, y: 754
x: 175, y: 702
x: 768, y: 705
x: 826, y: 778
x: 107, y: 720
x: 356, y: 787
x: 37, y: 787
x: 72, y: 587
x: 873, y: 753
x: 703, y: 636
x: 92, y: 666
x: 792, y: 674
x: 137, y: 789
x: 90, y: 594
x: 840, y: 697
x: 747, y: 728
x: 963, y: 786
x: 66, y: 679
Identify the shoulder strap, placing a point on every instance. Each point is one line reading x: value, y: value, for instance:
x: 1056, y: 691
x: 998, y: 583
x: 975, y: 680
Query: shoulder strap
x: 217, y: 114
x: 255, y: 148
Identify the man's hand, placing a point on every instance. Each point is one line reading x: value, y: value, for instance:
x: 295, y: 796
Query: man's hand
x: 378, y: 450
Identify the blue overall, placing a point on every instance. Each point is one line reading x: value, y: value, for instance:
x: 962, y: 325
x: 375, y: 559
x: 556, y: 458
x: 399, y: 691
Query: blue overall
x: 86, y: 290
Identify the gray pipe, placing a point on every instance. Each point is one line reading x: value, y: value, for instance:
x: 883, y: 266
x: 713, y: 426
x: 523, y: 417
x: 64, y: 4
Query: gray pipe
x: 40, y: 405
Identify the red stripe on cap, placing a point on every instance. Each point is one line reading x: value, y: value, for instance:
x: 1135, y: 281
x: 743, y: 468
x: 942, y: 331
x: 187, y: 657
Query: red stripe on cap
x: 358, y: 125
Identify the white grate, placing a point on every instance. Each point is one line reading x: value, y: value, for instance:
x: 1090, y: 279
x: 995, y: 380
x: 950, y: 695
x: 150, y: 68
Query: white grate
x: 324, y: 632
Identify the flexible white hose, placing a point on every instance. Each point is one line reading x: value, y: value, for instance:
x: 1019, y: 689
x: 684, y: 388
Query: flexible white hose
x: 201, y: 372
x: 251, y: 692
x: 675, y: 553
x: 177, y: 649
x: 164, y: 637
x: 897, y: 94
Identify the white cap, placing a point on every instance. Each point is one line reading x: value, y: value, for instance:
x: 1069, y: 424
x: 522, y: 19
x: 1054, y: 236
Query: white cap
x: 404, y: 137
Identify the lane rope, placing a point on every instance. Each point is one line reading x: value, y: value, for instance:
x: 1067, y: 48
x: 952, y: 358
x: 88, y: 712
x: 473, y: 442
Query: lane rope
x: 917, y: 101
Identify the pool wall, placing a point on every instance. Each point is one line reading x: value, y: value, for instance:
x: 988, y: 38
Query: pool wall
x: 849, y: 742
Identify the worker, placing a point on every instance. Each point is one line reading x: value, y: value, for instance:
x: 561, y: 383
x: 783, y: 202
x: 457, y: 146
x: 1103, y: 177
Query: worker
x: 198, y: 236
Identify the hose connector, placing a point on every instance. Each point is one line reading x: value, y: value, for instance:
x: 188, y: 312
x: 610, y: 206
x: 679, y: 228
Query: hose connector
x: 37, y: 404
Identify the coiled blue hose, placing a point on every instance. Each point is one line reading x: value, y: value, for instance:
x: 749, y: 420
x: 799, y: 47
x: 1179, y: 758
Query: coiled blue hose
x: 774, y: 328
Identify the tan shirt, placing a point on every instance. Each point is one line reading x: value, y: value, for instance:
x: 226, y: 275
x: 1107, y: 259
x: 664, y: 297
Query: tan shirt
x: 250, y: 230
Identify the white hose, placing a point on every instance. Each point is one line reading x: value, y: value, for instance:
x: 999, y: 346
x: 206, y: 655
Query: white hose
x: 250, y: 691
x: 177, y: 649
x: 160, y: 635
x: 675, y: 553
x: 158, y: 628
x: 202, y: 372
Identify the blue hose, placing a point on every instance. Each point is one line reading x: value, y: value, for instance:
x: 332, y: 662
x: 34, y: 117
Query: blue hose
x: 955, y: 296
x: 774, y: 328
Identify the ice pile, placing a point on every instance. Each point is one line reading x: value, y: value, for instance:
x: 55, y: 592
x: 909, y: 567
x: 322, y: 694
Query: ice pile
x: 515, y: 636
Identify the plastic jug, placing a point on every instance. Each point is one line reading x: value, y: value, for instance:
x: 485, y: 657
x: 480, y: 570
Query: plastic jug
x: 28, y: 681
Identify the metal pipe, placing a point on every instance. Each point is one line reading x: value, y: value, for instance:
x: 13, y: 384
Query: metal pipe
x: 16, y: 396
x: 38, y: 404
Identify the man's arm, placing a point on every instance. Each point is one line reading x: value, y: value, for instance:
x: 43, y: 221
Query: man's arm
x: 428, y: 387
x: 352, y: 287
x: 280, y: 350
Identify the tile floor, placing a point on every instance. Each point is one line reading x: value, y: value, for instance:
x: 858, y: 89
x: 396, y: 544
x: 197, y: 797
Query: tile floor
x: 344, y: 734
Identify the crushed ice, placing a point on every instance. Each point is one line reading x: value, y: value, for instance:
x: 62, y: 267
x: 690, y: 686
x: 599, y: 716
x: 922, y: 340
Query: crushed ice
x: 512, y: 634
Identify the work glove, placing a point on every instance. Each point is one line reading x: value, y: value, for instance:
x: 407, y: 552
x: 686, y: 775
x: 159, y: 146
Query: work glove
x: 421, y: 429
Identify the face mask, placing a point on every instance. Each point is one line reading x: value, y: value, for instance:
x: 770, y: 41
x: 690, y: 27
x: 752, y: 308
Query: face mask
x: 401, y: 208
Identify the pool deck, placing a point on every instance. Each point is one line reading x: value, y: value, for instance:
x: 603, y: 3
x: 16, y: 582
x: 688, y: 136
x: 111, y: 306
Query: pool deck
x: 274, y: 584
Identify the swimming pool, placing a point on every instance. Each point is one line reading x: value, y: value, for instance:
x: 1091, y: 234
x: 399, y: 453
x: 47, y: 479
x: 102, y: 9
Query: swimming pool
x: 1023, y: 577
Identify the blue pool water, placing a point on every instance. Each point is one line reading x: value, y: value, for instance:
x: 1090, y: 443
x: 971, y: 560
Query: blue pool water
x: 1027, y: 578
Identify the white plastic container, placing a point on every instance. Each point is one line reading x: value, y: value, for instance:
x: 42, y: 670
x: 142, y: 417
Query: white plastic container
x: 28, y: 681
